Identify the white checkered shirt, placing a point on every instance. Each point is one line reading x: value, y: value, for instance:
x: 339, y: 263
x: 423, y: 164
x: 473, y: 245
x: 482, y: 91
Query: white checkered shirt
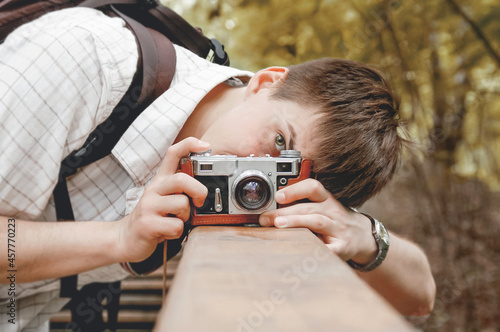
x: 60, y: 76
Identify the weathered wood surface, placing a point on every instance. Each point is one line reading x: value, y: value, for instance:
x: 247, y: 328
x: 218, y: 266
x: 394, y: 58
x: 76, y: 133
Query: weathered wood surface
x: 267, y: 279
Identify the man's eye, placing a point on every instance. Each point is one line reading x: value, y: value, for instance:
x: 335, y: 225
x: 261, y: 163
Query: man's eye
x: 280, y: 142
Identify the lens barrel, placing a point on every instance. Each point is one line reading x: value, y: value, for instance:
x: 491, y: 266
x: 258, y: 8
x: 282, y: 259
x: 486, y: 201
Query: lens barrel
x: 252, y: 191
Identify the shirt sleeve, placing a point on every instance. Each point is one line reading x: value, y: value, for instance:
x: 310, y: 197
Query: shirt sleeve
x: 60, y: 76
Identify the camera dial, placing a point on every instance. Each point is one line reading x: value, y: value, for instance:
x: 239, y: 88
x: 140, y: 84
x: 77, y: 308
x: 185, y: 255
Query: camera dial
x: 290, y: 154
x: 204, y: 153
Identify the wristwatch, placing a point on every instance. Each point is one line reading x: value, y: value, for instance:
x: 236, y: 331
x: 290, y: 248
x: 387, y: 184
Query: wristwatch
x: 382, y: 239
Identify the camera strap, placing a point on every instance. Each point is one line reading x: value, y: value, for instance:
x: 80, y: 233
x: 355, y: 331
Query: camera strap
x: 164, y: 290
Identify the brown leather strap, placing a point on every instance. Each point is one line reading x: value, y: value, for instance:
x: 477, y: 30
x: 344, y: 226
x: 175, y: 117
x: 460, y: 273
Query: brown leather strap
x: 158, y: 59
x: 224, y: 219
x: 148, y: 54
x: 166, y: 63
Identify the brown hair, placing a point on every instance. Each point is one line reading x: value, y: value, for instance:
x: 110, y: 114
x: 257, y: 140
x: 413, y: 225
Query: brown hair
x: 357, y: 146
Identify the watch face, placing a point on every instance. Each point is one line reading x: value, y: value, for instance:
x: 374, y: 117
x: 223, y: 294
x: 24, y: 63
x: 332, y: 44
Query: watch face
x: 382, y: 233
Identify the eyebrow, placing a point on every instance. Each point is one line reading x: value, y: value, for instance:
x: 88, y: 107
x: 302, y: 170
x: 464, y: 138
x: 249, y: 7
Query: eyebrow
x: 292, y: 132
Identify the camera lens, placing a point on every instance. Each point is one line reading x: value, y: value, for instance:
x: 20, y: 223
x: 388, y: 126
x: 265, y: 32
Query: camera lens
x: 252, y: 192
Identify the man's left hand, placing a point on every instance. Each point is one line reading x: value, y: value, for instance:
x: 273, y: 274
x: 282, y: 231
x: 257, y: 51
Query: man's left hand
x: 346, y: 233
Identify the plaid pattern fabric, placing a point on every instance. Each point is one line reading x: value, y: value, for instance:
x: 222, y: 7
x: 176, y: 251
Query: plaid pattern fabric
x: 60, y: 76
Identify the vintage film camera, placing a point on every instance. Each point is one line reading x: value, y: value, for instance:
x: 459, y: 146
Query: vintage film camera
x: 241, y: 188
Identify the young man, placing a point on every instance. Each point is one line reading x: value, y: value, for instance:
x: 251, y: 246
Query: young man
x: 63, y: 74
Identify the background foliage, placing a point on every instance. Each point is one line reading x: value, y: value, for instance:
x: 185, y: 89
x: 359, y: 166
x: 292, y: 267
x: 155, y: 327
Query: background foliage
x: 442, y: 58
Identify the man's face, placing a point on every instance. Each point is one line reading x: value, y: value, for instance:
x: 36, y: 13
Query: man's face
x: 261, y: 125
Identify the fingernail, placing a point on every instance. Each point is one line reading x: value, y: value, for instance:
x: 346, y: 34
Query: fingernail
x: 280, y: 197
x: 264, y: 221
x: 280, y: 222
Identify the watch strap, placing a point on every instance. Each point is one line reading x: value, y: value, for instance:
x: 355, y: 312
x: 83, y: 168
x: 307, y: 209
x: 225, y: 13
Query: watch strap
x: 379, y: 231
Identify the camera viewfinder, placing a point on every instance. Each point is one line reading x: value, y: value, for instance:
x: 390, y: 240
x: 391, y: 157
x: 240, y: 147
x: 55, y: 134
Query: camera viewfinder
x: 206, y: 167
x: 283, y: 167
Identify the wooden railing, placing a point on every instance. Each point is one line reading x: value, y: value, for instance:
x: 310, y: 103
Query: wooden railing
x: 267, y: 279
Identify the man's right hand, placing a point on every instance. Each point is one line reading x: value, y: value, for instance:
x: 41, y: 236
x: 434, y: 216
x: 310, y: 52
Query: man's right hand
x: 164, y: 206
x: 50, y: 249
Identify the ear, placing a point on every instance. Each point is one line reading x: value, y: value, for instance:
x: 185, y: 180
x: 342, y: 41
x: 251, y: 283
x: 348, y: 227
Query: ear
x: 265, y: 78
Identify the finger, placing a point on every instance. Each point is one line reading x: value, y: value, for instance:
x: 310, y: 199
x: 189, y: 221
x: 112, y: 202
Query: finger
x: 267, y: 218
x: 182, y: 183
x: 177, y: 205
x: 336, y: 246
x: 170, y: 163
x: 315, y: 222
x: 300, y: 208
x: 167, y: 228
x: 310, y: 189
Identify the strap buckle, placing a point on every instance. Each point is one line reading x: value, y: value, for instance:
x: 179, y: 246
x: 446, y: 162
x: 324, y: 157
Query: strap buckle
x: 217, y: 54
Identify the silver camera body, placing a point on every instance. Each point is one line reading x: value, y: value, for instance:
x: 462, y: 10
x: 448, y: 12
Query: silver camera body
x: 243, y: 185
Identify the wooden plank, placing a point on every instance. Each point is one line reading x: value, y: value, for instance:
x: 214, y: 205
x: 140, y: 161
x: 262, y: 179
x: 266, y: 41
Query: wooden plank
x: 267, y: 279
